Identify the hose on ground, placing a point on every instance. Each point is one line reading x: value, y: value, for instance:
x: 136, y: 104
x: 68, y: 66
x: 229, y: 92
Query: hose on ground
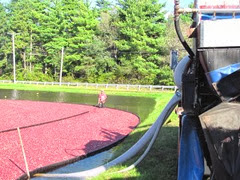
x: 150, y: 143
x: 151, y: 134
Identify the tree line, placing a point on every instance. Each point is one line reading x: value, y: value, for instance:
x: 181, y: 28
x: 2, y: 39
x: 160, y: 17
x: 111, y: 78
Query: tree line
x: 126, y: 42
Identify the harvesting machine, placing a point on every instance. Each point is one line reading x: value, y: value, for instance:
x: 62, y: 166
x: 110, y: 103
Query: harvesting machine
x: 209, y: 81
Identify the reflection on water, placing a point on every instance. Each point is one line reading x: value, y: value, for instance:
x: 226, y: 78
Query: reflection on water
x: 138, y: 105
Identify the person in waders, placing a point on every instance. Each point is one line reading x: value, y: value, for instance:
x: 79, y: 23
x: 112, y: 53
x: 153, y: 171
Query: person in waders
x: 102, y: 97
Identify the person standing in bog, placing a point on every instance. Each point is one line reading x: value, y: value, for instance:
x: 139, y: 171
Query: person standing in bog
x: 102, y: 97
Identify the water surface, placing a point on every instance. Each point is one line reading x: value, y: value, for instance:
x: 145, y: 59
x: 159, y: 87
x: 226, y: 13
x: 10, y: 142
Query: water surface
x: 140, y: 106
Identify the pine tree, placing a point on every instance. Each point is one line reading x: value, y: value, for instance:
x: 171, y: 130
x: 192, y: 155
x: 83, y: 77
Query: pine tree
x: 80, y: 26
x: 107, y: 33
x: 25, y: 18
x: 141, y: 39
x: 4, y: 40
x: 53, y: 37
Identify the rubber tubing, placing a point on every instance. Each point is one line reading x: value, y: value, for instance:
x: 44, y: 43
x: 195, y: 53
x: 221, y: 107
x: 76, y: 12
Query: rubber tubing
x: 149, y: 135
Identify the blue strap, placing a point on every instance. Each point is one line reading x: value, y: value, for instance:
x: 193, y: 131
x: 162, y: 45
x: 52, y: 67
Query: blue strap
x: 190, y: 161
x: 219, y: 16
x: 220, y: 73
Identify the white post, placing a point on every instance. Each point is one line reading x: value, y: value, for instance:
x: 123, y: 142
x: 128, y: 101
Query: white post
x: 24, y: 155
x: 14, y: 61
x: 31, y: 49
x: 60, y: 78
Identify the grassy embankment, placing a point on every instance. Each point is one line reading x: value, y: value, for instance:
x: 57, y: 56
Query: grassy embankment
x: 161, y: 162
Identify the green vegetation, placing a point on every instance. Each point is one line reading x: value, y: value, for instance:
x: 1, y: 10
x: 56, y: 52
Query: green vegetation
x: 161, y: 162
x: 126, y: 42
x: 81, y: 89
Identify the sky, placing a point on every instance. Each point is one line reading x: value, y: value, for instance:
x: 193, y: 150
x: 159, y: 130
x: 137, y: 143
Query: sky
x: 4, y: 1
x: 170, y: 4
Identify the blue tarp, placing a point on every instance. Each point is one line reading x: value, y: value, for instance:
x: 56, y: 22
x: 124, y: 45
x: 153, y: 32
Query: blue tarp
x: 191, y: 160
x: 220, y: 73
x: 219, y: 16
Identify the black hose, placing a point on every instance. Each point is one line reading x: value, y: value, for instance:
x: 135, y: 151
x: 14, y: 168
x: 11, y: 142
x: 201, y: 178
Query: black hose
x: 179, y: 32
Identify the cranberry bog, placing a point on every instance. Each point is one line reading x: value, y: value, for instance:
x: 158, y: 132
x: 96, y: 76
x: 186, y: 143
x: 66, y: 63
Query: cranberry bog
x: 54, y: 134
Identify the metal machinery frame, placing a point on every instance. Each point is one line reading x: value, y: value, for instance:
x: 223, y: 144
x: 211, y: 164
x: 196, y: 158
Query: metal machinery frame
x: 210, y: 91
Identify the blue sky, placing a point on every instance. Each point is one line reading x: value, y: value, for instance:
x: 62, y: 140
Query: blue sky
x: 170, y: 3
x: 4, y: 1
